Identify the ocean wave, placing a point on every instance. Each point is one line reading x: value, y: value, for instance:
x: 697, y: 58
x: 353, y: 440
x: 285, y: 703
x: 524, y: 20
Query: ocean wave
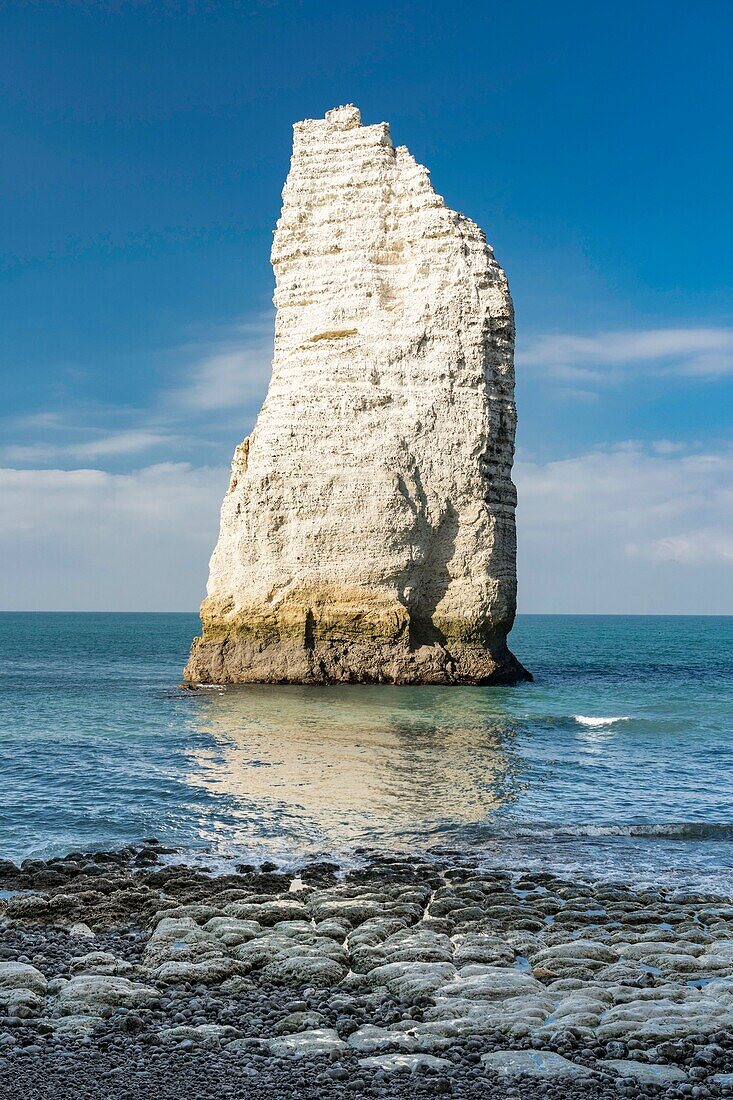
x: 676, y: 830
x: 584, y: 720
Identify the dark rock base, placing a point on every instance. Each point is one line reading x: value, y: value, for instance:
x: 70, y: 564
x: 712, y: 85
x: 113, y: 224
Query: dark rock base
x: 240, y: 658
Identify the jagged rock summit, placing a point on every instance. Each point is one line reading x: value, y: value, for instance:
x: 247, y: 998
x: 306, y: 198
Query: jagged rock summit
x: 367, y: 534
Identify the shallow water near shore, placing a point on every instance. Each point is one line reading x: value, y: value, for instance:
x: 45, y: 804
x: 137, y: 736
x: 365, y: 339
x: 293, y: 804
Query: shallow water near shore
x: 616, y: 762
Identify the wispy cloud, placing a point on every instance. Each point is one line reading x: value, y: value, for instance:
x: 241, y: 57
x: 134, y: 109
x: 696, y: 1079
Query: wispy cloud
x: 696, y: 547
x: 604, y: 356
x: 623, y: 528
x: 86, y: 539
x: 207, y: 397
x: 231, y: 375
x: 627, y: 528
x: 134, y: 441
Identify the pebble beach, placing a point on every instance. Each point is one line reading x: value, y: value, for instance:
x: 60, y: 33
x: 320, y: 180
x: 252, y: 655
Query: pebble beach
x: 129, y: 974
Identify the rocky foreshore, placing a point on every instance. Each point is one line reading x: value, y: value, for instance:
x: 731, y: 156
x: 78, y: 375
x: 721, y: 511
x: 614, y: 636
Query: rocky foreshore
x: 126, y: 975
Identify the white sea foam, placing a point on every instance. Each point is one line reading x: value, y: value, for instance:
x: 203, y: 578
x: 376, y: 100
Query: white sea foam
x: 584, y: 720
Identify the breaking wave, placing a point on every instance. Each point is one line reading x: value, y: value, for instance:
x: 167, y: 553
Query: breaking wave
x: 584, y: 720
x: 681, y: 830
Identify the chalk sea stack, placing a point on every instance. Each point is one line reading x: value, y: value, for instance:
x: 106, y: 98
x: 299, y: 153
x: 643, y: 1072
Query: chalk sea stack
x: 368, y: 533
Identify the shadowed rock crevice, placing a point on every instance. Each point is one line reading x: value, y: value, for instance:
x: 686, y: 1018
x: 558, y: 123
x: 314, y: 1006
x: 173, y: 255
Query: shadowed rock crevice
x: 425, y: 581
x: 309, y: 640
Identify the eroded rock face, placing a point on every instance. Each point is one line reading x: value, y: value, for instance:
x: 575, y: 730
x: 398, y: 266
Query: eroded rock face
x: 368, y: 530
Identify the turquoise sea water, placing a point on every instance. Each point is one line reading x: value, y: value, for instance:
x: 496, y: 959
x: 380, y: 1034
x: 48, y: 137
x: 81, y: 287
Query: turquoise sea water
x: 618, y: 760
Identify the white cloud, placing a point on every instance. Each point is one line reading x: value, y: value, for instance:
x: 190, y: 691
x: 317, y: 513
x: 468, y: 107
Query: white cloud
x: 212, y: 391
x: 132, y: 441
x: 232, y: 374
x: 627, y: 529
x: 691, y: 352
x: 112, y: 445
x: 87, y: 539
x: 668, y: 446
x: 693, y: 548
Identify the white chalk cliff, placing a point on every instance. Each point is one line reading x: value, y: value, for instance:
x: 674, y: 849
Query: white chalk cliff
x: 368, y: 530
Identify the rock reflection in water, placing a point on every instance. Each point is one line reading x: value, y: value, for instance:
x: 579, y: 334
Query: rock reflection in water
x: 324, y: 768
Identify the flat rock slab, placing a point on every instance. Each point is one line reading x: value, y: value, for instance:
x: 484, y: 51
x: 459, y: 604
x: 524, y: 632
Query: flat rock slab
x: 646, y: 1072
x: 307, y: 1044
x: 100, y: 962
x: 89, y: 993
x: 420, y: 1037
x: 203, y: 1033
x: 74, y: 1027
x: 487, y: 983
x: 533, y: 1063
x: 392, y: 1063
x: 18, y: 975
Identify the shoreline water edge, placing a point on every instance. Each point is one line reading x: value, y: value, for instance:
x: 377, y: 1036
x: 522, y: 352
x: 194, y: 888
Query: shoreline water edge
x: 127, y: 973
x: 379, y: 892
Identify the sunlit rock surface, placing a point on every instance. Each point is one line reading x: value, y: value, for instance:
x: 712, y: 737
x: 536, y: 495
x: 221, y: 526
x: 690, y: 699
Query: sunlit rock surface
x: 396, y: 963
x: 368, y: 530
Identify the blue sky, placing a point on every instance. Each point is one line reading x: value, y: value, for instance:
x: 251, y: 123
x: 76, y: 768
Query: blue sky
x: 146, y: 145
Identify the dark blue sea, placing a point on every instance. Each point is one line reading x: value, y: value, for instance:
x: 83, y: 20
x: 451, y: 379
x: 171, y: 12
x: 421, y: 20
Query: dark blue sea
x: 616, y: 762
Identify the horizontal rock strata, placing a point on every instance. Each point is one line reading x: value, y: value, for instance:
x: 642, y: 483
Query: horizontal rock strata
x: 368, y: 530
